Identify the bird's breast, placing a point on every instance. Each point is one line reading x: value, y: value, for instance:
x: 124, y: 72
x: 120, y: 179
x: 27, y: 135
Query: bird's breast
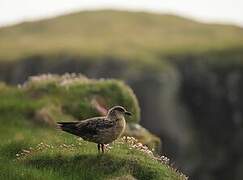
x: 120, y: 125
x: 114, y: 132
x: 119, y: 128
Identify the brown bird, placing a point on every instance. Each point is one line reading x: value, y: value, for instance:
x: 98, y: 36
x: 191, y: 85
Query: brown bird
x: 100, y: 130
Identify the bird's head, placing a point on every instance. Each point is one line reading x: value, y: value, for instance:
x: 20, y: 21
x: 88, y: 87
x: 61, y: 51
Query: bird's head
x: 118, y: 111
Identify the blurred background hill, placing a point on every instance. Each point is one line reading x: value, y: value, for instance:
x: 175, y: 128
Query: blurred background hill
x: 115, y: 33
x: 187, y: 76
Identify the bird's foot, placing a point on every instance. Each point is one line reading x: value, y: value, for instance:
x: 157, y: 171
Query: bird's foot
x: 103, y: 148
x: 98, y: 147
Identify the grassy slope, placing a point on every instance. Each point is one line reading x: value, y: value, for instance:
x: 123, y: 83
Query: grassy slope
x: 69, y: 158
x: 125, y: 35
x: 77, y: 162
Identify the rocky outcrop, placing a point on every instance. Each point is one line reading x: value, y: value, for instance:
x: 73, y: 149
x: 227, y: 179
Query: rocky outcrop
x: 212, y: 97
x: 194, y: 104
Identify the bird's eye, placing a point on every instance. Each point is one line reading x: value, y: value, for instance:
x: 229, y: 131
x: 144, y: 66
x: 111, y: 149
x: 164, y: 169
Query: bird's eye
x: 120, y: 109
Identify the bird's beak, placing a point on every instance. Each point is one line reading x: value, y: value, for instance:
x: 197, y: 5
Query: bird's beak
x: 128, y: 113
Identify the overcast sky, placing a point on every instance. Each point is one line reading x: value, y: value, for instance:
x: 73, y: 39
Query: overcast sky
x: 229, y: 11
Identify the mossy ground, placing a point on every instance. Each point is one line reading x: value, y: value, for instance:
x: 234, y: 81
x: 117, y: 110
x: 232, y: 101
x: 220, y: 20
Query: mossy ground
x: 72, y: 95
x: 32, y: 150
x: 66, y: 157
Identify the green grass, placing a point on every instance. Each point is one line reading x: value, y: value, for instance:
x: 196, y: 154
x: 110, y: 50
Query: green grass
x: 33, y: 150
x: 118, y: 34
x: 71, y: 99
x: 80, y: 161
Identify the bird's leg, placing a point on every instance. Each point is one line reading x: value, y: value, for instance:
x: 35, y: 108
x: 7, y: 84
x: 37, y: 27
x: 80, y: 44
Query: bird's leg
x: 98, y: 146
x: 103, y: 148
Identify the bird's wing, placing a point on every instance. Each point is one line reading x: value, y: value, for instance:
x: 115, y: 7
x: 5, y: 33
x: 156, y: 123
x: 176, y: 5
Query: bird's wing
x: 94, y: 125
x: 88, y: 127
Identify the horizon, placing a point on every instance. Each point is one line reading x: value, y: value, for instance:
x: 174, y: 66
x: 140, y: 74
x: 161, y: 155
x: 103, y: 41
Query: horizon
x: 204, y: 12
x: 119, y: 10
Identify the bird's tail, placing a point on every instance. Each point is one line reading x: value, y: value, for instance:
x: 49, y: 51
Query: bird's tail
x: 68, y: 127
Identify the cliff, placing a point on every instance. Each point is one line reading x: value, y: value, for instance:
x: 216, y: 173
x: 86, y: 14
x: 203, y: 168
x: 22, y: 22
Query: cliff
x: 33, y: 148
x: 187, y: 76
